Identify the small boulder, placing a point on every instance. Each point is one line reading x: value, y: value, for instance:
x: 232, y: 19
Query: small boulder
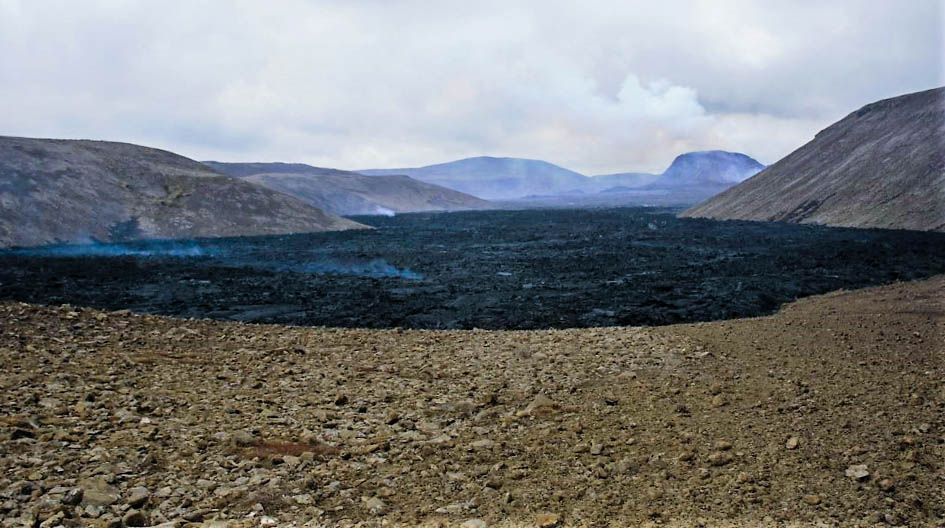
x: 243, y: 438
x: 482, y: 444
x: 375, y: 506
x: 547, y: 519
x: 138, y: 497
x: 719, y: 459
x: 98, y: 492
x: 541, y: 404
x: 72, y: 497
x: 887, y: 485
x: 857, y: 472
x: 135, y: 518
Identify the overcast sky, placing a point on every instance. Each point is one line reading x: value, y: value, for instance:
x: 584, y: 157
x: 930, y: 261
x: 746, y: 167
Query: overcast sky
x: 594, y: 86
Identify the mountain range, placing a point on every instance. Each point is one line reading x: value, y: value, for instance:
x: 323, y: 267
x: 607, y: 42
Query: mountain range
x: 882, y: 166
x: 350, y: 193
x: 619, y: 181
x: 691, y: 177
x: 60, y: 191
x: 495, y: 178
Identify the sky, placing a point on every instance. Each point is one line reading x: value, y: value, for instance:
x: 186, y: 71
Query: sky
x: 595, y: 86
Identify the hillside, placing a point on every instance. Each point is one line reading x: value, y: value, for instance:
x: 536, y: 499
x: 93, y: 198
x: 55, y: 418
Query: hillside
x: 350, y: 193
x: 55, y: 191
x: 882, y: 166
x: 496, y: 178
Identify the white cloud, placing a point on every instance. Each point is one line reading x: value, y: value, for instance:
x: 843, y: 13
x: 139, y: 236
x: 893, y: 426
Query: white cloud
x: 598, y: 87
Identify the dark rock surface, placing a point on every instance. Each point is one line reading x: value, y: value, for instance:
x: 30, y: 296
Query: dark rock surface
x: 495, y: 269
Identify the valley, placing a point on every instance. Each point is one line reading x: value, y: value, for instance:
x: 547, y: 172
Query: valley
x: 472, y: 265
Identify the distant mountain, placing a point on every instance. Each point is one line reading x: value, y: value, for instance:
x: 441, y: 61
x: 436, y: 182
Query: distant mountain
x: 350, y: 193
x: 707, y: 168
x: 691, y: 178
x: 55, y: 191
x: 496, y: 178
x: 607, y: 182
x: 882, y: 166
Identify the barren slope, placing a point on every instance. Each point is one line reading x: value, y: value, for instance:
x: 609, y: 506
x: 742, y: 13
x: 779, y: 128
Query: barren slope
x: 349, y: 193
x: 76, y: 190
x: 830, y: 412
x: 882, y: 166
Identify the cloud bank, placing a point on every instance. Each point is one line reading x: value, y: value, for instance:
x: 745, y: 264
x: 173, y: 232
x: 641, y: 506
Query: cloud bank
x: 595, y: 86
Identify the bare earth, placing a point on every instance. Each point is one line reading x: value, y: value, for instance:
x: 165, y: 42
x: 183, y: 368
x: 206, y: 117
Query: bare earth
x: 829, y: 412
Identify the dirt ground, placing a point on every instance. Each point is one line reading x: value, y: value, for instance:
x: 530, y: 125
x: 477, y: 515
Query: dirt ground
x: 830, y: 412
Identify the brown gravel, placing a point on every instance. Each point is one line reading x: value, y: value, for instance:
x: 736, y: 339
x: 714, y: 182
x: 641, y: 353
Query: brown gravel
x: 113, y: 418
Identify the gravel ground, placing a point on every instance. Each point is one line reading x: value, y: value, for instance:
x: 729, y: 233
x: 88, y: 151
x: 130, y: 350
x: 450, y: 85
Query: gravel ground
x: 831, y: 411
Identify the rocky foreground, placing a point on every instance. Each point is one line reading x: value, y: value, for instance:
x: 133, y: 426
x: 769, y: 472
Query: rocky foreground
x: 829, y: 412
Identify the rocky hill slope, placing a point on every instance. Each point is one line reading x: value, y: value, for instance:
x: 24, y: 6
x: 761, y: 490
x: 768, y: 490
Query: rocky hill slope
x: 828, y: 413
x: 55, y: 191
x: 496, y: 178
x: 350, y: 193
x: 882, y: 166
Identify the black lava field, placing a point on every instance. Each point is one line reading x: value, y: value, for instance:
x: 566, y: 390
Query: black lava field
x: 527, y: 269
